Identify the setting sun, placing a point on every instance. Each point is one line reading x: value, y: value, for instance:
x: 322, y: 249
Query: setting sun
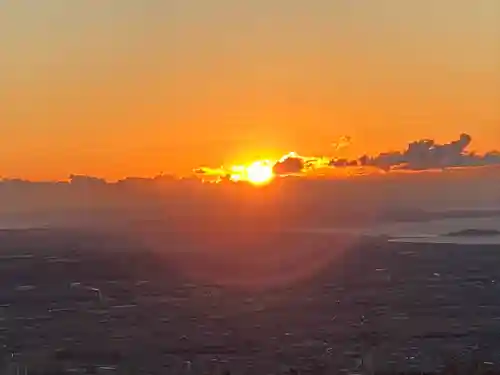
x: 257, y: 173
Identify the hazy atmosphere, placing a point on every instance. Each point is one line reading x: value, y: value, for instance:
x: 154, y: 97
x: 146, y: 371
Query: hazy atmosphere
x: 229, y: 187
x: 125, y: 88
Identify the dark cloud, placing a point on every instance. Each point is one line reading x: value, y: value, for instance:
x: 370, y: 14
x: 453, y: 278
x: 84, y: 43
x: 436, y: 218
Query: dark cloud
x: 86, y: 180
x: 427, y: 154
x: 200, y: 171
x: 343, y: 163
x: 289, y: 165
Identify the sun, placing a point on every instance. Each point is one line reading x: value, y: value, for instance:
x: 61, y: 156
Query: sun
x: 259, y: 173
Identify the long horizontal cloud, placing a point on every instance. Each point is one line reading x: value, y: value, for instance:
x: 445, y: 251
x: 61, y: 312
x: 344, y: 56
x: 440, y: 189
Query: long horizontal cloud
x: 424, y: 154
x: 427, y: 154
x: 418, y: 155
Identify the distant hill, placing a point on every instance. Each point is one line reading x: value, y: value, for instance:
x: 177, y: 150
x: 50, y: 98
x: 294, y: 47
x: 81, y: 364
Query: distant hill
x: 474, y: 232
x: 423, y: 215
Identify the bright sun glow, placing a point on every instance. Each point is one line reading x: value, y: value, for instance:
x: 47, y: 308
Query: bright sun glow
x: 257, y: 173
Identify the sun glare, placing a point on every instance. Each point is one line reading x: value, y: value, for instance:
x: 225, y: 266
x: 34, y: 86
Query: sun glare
x: 257, y: 173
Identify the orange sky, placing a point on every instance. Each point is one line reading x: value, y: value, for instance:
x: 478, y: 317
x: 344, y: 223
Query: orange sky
x: 135, y: 89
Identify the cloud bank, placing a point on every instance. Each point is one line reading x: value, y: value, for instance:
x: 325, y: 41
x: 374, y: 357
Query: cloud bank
x: 420, y: 155
x: 428, y: 154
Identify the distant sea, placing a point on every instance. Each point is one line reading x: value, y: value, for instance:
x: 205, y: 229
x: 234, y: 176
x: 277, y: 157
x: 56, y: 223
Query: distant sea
x: 431, y: 231
x: 428, y: 231
x: 18, y: 225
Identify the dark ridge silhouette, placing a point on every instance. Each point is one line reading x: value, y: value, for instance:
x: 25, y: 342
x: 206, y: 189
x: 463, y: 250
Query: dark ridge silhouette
x: 474, y: 232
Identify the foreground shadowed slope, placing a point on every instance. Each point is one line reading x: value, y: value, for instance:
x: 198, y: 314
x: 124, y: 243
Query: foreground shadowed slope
x: 250, y: 300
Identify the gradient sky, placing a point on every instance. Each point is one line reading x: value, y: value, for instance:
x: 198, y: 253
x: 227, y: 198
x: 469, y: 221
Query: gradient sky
x: 127, y: 87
